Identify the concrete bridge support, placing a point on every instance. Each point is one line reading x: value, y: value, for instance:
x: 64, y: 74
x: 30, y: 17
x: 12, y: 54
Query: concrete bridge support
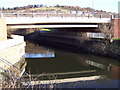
x: 12, y: 51
x: 3, y: 30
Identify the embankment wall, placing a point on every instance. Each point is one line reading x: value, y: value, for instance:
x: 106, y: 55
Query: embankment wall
x: 12, y: 50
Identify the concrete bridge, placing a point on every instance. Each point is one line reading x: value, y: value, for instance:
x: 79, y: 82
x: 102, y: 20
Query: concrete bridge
x: 80, y: 24
x: 88, y: 23
x: 55, y: 22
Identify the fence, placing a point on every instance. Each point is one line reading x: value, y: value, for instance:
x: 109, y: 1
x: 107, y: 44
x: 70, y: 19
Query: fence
x: 48, y: 15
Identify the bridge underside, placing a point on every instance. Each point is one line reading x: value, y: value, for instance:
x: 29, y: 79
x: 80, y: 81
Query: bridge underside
x: 80, y: 29
x: 71, y: 27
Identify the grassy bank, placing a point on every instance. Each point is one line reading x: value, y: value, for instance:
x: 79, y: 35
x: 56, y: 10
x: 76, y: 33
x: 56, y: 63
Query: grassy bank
x: 116, y: 38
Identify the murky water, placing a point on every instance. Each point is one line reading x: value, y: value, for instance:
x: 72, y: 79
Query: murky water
x: 86, y: 70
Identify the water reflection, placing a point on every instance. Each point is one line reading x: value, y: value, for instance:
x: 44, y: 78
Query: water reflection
x: 110, y: 68
x: 66, y: 65
x: 35, y: 51
x: 46, y: 55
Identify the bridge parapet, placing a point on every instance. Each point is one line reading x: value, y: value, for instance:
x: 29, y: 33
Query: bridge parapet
x: 27, y: 20
x: 32, y: 14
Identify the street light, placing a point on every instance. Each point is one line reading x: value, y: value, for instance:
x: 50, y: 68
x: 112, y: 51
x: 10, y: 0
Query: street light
x: 92, y: 3
x: 92, y: 7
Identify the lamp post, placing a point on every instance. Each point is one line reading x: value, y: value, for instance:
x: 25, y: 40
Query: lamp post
x: 0, y: 11
x: 92, y: 3
x: 92, y: 7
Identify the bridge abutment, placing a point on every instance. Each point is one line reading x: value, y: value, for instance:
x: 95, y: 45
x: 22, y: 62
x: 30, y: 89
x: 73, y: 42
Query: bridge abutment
x: 3, y: 30
x: 12, y: 52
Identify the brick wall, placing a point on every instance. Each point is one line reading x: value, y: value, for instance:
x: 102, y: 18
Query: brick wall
x: 116, y: 28
x: 3, y: 30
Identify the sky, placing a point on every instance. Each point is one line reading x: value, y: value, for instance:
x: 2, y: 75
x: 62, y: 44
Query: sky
x: 105, y: 5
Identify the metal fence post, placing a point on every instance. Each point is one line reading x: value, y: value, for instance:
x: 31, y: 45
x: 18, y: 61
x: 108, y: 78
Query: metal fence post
x: 100, y: 15
x: 32, y: 14
x: 17, y: 15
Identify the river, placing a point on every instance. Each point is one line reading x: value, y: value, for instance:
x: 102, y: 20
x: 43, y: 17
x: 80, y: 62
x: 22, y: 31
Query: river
x: 76, y: 70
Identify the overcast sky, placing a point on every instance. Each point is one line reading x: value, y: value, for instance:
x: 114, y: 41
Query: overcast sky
x: 107, y: 5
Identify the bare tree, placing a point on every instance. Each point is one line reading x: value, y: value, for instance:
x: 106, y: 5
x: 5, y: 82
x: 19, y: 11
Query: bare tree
x: 82, y: 37
x: 107, y: 30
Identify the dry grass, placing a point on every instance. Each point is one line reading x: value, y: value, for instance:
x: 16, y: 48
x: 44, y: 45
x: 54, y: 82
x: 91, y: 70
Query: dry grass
x: 50, y: 8
x: 8, y: 80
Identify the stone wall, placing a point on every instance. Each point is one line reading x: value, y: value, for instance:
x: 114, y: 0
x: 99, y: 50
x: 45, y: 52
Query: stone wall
x: 3, y: 30
x: 12, y: 50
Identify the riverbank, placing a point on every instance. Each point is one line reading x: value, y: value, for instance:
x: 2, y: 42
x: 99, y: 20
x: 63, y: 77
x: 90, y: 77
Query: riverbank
x: 97, y: 47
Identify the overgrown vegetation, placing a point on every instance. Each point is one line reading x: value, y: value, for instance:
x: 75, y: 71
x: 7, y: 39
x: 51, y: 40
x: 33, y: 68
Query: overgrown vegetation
x: 8, y: 81
x: 107, y: 30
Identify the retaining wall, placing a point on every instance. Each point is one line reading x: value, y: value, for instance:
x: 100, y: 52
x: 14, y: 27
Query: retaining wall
x: 12, y: 50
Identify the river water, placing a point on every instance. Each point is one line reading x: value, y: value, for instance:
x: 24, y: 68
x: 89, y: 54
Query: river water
x: 79, y: 70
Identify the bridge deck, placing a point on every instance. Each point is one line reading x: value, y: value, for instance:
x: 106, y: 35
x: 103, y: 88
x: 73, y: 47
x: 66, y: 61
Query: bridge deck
x: 54, y: 22
x: 26, y: 20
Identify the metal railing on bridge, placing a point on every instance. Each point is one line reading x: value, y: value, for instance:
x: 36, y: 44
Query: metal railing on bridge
x: 62, y: 15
